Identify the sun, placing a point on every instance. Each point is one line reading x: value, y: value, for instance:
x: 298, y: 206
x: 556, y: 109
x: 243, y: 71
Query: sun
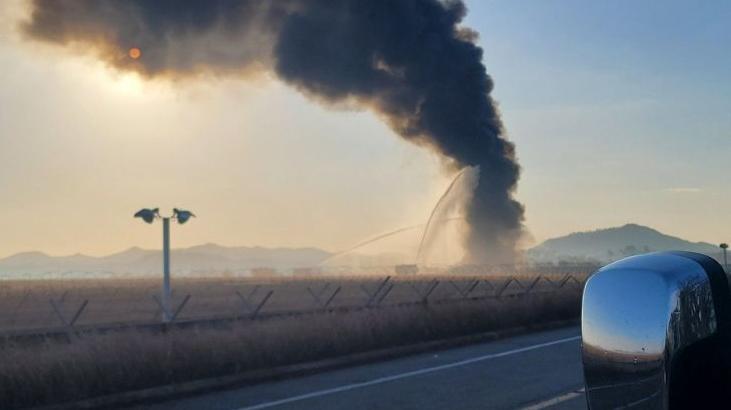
x: 127, y: 84
x: 135, y: 53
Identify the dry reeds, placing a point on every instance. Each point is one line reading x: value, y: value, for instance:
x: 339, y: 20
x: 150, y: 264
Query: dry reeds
x: 99, y: 364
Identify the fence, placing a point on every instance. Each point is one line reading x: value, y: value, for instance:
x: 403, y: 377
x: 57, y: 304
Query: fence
x: 31, y: 309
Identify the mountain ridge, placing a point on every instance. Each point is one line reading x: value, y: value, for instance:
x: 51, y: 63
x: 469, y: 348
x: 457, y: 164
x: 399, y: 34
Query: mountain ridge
x: 608, y: 244
x: 202, y: 259
x: 596, y: 246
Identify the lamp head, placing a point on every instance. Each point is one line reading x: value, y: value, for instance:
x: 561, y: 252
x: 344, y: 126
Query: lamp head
x: 182, y: 215
x: 148, y: 215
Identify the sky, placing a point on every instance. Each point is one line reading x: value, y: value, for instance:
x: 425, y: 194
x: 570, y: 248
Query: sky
x: 619, y: 113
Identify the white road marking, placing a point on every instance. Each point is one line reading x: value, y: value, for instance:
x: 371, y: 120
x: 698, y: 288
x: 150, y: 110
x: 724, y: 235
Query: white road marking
x: 399, y: 376
x: 555, y: 400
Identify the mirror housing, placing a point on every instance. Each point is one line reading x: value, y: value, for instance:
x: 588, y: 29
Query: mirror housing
x: 655, y: 333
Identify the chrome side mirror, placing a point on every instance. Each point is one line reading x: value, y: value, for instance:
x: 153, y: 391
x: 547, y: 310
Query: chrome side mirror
x: 655, y: 332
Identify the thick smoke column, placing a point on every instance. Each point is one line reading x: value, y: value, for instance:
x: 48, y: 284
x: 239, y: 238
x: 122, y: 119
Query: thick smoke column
x: 408, y: 60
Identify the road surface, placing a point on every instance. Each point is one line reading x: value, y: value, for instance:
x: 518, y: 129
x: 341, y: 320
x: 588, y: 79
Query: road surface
x: 531, y: 372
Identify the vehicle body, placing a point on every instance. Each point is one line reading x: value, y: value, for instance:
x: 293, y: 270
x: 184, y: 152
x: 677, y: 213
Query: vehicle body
x: 656, y: 334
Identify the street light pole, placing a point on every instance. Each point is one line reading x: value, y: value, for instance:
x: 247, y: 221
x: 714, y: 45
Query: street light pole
x: 166, y: 270
x: 724, y: 246
x: 181, y: 216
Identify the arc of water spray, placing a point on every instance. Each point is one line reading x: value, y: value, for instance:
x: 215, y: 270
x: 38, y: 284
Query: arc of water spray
x: 371, y: 240
x: 434, y: 211
x: 383, y: 236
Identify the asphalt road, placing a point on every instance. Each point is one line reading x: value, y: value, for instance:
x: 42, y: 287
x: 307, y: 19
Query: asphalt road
x: 536, y: 371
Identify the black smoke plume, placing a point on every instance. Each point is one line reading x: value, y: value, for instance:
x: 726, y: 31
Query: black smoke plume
x: 409, y: 61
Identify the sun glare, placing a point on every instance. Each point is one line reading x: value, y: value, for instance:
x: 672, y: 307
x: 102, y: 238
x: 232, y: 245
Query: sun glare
x: 124, y: 83
x: 135, y: 53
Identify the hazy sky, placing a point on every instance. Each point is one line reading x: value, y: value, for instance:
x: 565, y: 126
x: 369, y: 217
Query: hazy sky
x: 619, y: 111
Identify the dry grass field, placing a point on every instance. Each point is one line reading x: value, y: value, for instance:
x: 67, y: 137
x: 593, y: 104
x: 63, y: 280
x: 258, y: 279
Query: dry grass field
x: 29, y: 305
x: 294, y: 326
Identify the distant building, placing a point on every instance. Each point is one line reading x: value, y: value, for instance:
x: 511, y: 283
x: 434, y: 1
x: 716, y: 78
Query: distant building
x: 306, y: 271
x: 263, y: 272
x: 406, y: 269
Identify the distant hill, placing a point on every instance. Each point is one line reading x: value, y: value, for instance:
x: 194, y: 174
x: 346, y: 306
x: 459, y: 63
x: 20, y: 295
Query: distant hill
x: 610, y: 244
x: 601, y: 245
x: 201, y: 259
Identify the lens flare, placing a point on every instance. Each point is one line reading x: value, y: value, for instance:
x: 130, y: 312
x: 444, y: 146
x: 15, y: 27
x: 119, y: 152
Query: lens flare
x: 135, y: 53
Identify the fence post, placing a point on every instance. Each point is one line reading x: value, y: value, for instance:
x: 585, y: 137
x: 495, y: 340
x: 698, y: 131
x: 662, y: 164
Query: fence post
x: 532, y: 284
x: 425, y: 299
x: 179, y: 309
x: 69, y: 325
x: 384, y: 294
x: 464, y: 293
x: 244, y: 301
x: 261, y: 304
x: 490, y: 286
x: 505, y: 286
x: 171, y: 316
x: 315, y: 297
x: 474, y: 285
x: 252, y: 310
x: 457, y: 288
x: 327, y: 303
x: 569, y: 278
x: 380, y: 287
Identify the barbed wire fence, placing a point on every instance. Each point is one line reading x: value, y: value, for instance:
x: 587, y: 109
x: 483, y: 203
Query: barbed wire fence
x: 34, y: 309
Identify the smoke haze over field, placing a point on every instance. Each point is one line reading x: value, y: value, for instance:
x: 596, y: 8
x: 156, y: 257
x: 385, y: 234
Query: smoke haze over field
x: 408, y: 61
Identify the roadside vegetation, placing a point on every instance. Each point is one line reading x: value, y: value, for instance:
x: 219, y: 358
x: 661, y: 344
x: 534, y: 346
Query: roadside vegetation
x: 55, y: 371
